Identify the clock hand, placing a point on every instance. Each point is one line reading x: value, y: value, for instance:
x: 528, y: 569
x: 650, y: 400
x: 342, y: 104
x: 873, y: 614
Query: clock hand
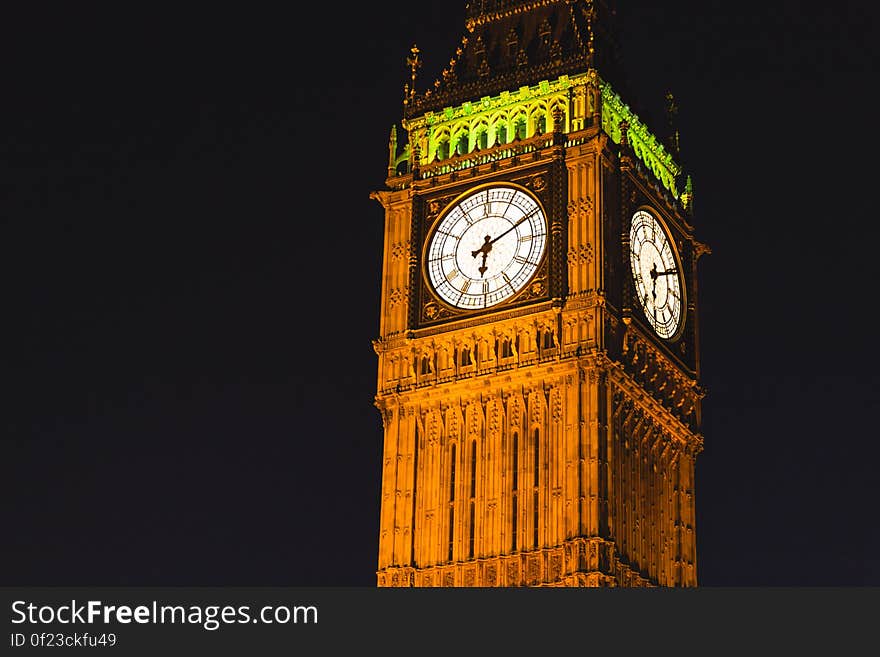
x: 484, y: 249
x: 487, y: 244
x: 654, y: 281
x: 655, y: 273
x: 514, y: 226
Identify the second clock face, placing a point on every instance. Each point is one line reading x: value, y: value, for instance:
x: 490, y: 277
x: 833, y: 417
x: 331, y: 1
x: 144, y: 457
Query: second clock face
x: 656, y: 274
x: 486, y: 247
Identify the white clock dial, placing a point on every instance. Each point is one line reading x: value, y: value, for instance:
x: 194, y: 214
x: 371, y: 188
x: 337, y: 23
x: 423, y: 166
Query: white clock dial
x: 486, y: 247
x: 656, y: 273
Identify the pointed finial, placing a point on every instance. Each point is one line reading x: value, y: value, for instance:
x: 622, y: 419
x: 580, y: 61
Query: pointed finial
x: 590, y: 13
x: 624, y: 133
x: 671, y: 113
x: 687, y: 196
x: 392, y: 151
x: 415, y: 63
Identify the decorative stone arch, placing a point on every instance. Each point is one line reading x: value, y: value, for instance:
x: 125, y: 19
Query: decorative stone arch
x: 537, y: 417
x: 444, y: 356
x: 460, y: 139
x: 485, y: 353
x: 494, y: 417
x: 439, y: 144
x: 545, y: 335
x: 432, y: 424
x: 515, y: 413
x: 561, y: 104
x: 527, y: 344
x: 425, y: 366
x: 453, y: 423
x: 499, y: 125
x: 539, y: 120
x: 481, y: 136
x: 519, y: 124
x: 570, y: 330
x: 465, y: 352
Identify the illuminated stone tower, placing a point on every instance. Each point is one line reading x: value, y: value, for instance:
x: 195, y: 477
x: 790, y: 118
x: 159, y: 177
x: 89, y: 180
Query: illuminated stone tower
x: 538, y: 375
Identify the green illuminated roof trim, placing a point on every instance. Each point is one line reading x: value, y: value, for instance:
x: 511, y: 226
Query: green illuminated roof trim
x: 644, y: 144
x: 468, y: 120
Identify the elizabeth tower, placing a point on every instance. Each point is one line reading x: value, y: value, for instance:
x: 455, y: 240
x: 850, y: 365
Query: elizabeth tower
x: 538, y: 375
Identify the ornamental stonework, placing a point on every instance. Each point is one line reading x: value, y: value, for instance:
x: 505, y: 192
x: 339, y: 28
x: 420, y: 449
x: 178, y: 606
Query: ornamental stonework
x: 580, y: 254
x: 551, y: 440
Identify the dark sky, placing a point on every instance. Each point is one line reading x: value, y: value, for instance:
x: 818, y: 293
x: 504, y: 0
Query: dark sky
x: 191, y: 279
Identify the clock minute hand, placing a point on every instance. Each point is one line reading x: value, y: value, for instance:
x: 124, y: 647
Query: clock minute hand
x: 514, y: 226
x: 655, y: 273
x: 487, y: 244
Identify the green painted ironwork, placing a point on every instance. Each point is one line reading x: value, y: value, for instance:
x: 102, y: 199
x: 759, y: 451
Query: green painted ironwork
x: 644, y: 144
x: 455, y: 133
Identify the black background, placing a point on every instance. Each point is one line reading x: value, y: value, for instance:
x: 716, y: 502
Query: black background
x: 192, y: 265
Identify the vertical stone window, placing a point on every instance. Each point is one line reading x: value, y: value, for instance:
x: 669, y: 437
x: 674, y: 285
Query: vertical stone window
x: 451, y: 502
x: 535, y: 482
x: 473, y: 497
x: 541, y: 125
x: 442, y: 150
x: 514, y: 491
x: 483, y: 139
x: 462, y: 145
x: 545, y: 340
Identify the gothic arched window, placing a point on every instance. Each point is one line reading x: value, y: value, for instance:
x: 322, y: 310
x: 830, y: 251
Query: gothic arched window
x: 442, y: 150
x: 535, y: 489
x: 461, y: 146
x: 541, y: 125
x: 514, y: 492
x: 473, y: 497
x: 451, y: 501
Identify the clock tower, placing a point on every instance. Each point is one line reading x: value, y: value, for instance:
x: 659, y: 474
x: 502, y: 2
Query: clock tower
x: 538, y: 374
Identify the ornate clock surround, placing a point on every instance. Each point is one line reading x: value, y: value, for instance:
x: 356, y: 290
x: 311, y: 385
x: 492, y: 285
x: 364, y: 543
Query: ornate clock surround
x: 546, y: 183
x: 637, y: 193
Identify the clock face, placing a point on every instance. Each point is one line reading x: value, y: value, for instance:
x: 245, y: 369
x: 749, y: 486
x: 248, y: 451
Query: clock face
x: 486, y: 247
x: 656, y: 274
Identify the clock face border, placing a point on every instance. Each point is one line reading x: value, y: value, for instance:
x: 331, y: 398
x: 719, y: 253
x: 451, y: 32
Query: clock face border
x: 527, y: 267
x: 431, y: 308
x: 658, y: 219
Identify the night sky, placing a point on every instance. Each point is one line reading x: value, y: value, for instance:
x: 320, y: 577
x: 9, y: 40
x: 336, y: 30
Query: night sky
x: 191, y: 271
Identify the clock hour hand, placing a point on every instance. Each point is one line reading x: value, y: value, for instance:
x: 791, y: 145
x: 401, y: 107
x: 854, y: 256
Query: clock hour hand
x: 487, y: 246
